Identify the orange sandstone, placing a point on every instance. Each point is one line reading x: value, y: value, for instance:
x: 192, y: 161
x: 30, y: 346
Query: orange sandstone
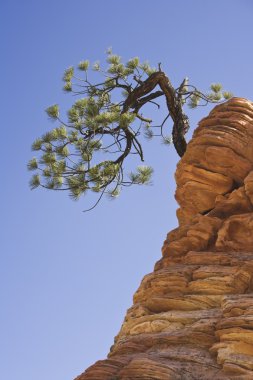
x: 192, y: 318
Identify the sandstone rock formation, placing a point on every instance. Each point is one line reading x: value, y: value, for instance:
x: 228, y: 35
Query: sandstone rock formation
x: 192, y: 318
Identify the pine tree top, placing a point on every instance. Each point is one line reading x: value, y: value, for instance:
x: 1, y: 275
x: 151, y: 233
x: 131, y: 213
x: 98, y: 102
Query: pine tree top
x: 87, y: 152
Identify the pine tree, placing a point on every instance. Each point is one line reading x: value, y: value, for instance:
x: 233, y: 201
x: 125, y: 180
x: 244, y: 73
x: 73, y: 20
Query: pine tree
x: 108, y: 118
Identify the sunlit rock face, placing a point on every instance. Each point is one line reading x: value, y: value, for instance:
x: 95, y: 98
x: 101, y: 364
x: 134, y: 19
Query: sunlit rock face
x: 217, y: 160
x: 192, y: 318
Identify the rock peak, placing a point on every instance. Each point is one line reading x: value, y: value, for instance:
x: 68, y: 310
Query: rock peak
x: 217, y: 160
x: 192, y: 317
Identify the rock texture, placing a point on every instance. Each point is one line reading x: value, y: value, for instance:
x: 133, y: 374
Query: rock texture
x: 192, y: 318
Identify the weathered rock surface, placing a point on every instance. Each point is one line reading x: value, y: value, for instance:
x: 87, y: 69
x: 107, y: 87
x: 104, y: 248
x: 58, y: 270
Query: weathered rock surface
x: 192, y: 318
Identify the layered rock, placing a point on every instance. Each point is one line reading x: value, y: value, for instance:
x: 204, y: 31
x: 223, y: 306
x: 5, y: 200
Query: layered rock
x: 192, y: 318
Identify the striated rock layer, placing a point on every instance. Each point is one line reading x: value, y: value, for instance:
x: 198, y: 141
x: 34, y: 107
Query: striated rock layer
x: 192, y: 318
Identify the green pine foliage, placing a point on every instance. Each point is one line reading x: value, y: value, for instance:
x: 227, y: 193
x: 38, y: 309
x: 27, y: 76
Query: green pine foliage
x: 194, y: 99
x: 67, y: 87
x: 35, y: 181
x: 167, y: 140
x: 227, y: 95
x: 53, y: 111
x: 68, y: 74
x: 37, y: 144
x: 216, y: 87
x: 142, y: 176
x: 84, y: 65
x: 32, y: 164
x: 87, y: 152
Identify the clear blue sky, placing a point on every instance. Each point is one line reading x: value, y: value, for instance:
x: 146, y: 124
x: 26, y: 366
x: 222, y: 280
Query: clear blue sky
x: 67, y: 278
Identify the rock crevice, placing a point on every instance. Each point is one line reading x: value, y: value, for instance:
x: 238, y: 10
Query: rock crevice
x: 192, y: 318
